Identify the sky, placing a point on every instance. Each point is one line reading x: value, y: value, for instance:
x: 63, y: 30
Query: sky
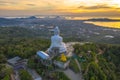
x: 99, y: 8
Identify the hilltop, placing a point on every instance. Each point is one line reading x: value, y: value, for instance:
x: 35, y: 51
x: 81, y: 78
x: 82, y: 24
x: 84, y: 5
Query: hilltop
x: 103, y: 19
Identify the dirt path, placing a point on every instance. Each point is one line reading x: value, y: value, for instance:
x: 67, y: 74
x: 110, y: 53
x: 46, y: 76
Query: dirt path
x: 96, y: 60
x: 79, y: 69
x: 87, y: 69
x: 78, y: 64
x: 100, y: 52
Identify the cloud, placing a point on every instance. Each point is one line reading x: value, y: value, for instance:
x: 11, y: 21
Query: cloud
x: 31, y: 4
x: 102, y: 6
x: 59, y: 7
x: 5, y: 2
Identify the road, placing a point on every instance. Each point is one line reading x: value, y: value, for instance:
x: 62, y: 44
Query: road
x: 34, y: 74
x: 72, y: 75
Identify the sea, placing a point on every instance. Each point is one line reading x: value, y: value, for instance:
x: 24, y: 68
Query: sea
x: 105, y: 24
x: 109, y: 24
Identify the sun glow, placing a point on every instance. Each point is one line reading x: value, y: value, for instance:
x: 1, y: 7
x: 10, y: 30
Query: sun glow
x: 60, y: 6
x: 116, y: 3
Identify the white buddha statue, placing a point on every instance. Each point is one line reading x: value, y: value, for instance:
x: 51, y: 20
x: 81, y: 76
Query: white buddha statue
x: 57, y: 41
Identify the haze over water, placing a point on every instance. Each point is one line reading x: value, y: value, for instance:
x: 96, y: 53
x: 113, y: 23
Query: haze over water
x: 109, y: 24
x: 105, y: 24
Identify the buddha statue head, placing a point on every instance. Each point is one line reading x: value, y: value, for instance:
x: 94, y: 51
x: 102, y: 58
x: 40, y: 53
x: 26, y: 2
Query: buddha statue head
x: 56, y: 31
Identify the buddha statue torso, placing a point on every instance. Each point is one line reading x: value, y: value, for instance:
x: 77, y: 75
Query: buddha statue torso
x: 57, y: 41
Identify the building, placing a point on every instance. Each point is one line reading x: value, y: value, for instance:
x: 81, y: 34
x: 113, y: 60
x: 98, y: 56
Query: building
x: 44, y: 58
x: 62, y: 65
x: 43, y: 55
x: 56, y: 49
x: 17, y: 63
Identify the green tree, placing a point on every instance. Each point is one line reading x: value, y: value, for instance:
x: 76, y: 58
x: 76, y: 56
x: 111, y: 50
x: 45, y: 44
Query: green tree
x: 2, y: 59
x: 24, y: 75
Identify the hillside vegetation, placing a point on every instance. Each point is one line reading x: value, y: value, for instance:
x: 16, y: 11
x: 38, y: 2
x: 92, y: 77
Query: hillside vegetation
x: 99, y: 61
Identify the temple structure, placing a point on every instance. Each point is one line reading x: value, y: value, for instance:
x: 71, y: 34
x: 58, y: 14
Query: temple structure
x: 57, y: 42
x: 56, y: 53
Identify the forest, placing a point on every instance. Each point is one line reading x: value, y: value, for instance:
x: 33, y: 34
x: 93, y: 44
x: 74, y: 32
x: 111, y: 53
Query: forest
x: 99, y: 61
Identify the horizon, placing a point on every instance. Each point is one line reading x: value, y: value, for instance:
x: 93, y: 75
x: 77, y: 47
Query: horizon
x: 88, y: 8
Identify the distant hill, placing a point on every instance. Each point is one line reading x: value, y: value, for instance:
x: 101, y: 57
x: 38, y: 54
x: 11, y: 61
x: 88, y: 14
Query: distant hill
x: 103, y: 19
x: 32, y: 17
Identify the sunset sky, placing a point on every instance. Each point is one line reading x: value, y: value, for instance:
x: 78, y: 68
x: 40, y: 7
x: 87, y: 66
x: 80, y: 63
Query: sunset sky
x: 60, y: 7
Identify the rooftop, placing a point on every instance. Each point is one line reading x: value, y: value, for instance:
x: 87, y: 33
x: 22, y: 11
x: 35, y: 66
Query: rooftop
x: 43, y: 55
x: 14, y: 60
